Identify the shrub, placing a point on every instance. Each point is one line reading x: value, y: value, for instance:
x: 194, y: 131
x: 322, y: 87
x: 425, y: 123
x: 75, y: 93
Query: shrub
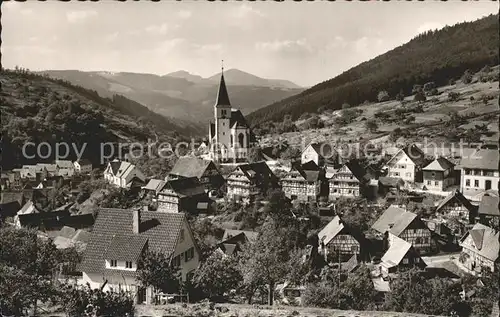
x: 383, y: 96
x: 453, y: 96
x: 466, y: 77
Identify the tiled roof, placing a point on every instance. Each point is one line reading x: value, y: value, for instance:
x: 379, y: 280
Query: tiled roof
x: 121, y: 169
x: 331, y: 230
x: 439, y: 164
x: 237, y: 119
x: 64, y: 164
x: 309, y: 171
x: 155, y: 185
x: 414, y: 153
x: 481, y: 159
x: 8, y: 197
x: 126, y: 247
x: 482, y: 240
x: 402, y: 222
x: 185, y: 187
x: 389, y: 217
x: 190, y: 166
x: 49, y: 167
x: 256, y: 172
x: 456, y: 195
x: 356, y: 169
x: 162, y: 230
x: 489, y: 206
x: 251, y: 236
x: 396, y: 252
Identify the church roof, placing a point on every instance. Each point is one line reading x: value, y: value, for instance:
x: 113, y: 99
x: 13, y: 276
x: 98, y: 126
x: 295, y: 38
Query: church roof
x: 237, y: 119
x: 222, y: 95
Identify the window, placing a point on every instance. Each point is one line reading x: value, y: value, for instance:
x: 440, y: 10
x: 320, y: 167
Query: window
x: 467, y: 182
x: 176, y: 261
x: 436, y: 183
x: 488, y: 173
x: 477, y: 172
x: 396, y: 174
x: 402, y: 166
x: 417, y: 260
x: 408, y: 174
x: 433, y: 174
x: 467, y: 171
x: 417, y: 240
x: 181, y: 235
x: 476, y: 183
x: 405, y: 261
x: 128, y: 264
x: 113, y: 263
x: 189, y: 254
x: 429, y: 182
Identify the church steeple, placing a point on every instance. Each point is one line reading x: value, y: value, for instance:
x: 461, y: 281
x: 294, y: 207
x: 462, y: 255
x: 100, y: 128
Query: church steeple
x: 222, y: 95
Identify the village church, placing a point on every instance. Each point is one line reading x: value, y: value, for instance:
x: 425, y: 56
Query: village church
x: 230, y: 135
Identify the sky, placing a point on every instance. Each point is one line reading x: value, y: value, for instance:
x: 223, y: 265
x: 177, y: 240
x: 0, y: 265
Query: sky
x: 305, y: 42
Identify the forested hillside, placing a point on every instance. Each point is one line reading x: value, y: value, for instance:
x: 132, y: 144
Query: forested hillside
x: 436, y: 56
x: 38, y: 109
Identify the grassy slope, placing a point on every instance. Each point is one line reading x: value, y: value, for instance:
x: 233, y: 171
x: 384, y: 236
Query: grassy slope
x: 426, y: 124
x: 436, y: 56
x: 39, y: 109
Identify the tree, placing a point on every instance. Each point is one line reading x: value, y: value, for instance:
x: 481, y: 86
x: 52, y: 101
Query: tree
x: 400, y: 96
x: 420, y: 96
x: 466, y: 77
x: 255, y: 155
x: 345, y: 105
x: 383, y: 96
x: 371, y: 125
x: 290, y: 153
x: 156, y: 270
x: 27, y: 265
x: 218, y: 275
x: 453, y: 96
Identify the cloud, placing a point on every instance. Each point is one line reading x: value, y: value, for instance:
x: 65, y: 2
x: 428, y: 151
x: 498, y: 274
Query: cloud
x: 365, y: 44
x: 245, y: 11
x: 285, y: 46
x: 111, y: 37
x: 184, y: 14
x: 170, y: 44
x: 79, y: 16
x: 160, y: 29
x: 429, y: 26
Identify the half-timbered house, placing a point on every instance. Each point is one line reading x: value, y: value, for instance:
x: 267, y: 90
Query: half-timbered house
x: 339, y: 239
x: 488, y: 212
x: 400, y: 256
x: 182, y: 195
x: 248, y: 180
x: 350, y: 181
x: 304, y: 182
x: 396, y: 222
x: 456, y: 205
x: 480, y: 247
x: 205, y: 170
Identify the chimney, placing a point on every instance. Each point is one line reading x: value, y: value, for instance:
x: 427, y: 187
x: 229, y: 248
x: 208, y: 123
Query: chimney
x: 136, y: 221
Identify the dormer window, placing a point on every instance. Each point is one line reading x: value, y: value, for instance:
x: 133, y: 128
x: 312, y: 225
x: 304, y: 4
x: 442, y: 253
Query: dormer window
x: 113, y: 263
x: 128, y: 264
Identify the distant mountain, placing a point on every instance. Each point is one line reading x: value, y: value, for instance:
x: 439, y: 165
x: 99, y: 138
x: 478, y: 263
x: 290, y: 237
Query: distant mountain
x: 238, y: 77
x: 436, y: 56
x: 186, y: 75
x: 38, y: 109
x: 181, y: 95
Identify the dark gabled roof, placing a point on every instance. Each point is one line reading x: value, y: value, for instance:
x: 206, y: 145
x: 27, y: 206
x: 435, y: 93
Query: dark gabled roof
x: 84, y: 162
x: 481, y: 159
x: 8, y: 197
x: 356, y: 169
x: 190, y: 166
x: 126, y: 247
x: 482, y: 240
x: 309, y: 170
x: 115, y: 166
x: 47, y: 220
x: 256, y: 172
x: 228, y: 248
x: 324, y: 149
x: 185, y: 187
x: 489, y: 206
x: 9, y: 209
x: 416, y: 155
x: 237, y: 119
x: 162, y: 230
x: 439, y: 164
x: 222, y: 95
x: 232, y: 236
x: 390, y: 181
x: 458, y: 196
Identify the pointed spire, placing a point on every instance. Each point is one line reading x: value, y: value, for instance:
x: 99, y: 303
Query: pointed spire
x: 222, y: 95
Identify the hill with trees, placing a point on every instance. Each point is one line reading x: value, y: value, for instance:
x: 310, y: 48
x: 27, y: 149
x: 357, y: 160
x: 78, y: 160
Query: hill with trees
x: 433, y: 56
x: 39, y: 109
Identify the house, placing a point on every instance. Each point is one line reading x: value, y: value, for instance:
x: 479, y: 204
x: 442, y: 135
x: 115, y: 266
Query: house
x: 407, y: 164
x: 480, y: 171
x: 389, y: 185
x: 349, y: 181
x: 322, y: 153
x: 290, y: 294
x: 234, y: 239
x: 11, y: 180
x: 52, y: 169
x: 438, y: 175
x: 207, y: 173
x: 121, y: 236
x: 83, y: 166
x: 181, y: 195
x: 401, y: 255
x: 251, y: 179
x: 396, y: 222
x: 456, y: 205
x: 303, y: 182
x: 154, y: 186
x: 10, y: 204
x: 230, y: 135
x: 33, y: 172
x: 123, y: 174
x: 488, y: 212
x: 340, y: 240
x: 480, y: 247
x: 66, y: 168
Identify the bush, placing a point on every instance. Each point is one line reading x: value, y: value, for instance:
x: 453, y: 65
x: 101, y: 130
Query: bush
x: 383, y: 96
x: 466, y: 77
x: 453, y: 96
x: 420, y: 96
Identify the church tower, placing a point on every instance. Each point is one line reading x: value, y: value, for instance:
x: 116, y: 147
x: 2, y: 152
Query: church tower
x: 222, y: 112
